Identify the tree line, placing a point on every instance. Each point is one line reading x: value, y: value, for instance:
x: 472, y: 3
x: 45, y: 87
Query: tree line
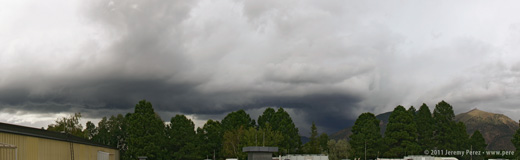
x: 143, y: 133
x: 412, y: 132
x: 408, y: 132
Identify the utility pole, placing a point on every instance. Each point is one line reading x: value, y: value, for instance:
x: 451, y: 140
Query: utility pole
x: 471, y: 153
x: 365, y: 149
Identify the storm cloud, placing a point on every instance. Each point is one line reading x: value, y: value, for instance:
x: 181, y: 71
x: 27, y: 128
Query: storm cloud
x: 324, y: 61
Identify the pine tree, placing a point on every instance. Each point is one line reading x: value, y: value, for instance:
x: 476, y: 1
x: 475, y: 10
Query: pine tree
x: 145, y: 133
x: 211, y: 135
x: 268, y: 117
x: 477, y: 143
x: 412, y: 111
x: 285, y: 125
x: 314, y: 144
x: 323, y: 139
x: 182, y: 138
x: 401, y: 134
x: 237, y: 119
x: 282, y: 122
x: 460, y: 137
x: 444, y: 127
x: 366, y: 137
x: 424, y: 122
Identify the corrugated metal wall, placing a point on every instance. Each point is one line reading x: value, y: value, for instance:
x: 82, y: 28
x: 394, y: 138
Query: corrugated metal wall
x: 33, y: 148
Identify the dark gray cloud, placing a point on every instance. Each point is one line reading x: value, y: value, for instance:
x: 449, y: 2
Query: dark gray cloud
x: 324, y: 61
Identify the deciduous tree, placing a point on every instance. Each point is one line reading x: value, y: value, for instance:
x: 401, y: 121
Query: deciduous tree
x: 68, y: 125
x: 338, y: 149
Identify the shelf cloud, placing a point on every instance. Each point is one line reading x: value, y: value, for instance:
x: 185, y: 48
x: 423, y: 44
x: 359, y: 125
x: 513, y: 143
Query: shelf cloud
x: 325, y: 62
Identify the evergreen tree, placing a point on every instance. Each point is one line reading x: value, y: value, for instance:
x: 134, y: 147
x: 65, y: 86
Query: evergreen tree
x: 445, y: 127
x: 146, y: 135
x: 460, y: 137
x: 323, y: 140
x: 516, y: 142
x: 282, y: 122
x: 313, y: 144
x: 477, y: 143
x: 268, y: 117
x: 412, y: 111
x: 424, y: 121
x: 211, y: 137
x: 401, y: 134
x: 182, y: 138
x: 366, y: 137
x: 235, y: 120
x: 285, y: 125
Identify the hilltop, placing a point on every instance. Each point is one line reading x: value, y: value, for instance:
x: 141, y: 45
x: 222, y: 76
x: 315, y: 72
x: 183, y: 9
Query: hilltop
x: 497, y: 129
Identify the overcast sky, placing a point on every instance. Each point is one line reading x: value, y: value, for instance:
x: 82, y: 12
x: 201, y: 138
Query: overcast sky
x: 324, y: 61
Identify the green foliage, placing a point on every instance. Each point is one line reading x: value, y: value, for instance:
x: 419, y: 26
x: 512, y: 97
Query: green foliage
x: 233, y: 141
x: 182, y: 138
x: 111, y: 132
x: 146, y: 135
x: 444, y: 126
x: 210, y: 136
x: 338, y: 149
x: 268, y: 117
x: 90, y: 131
x: 262, y: 137
x: 282, y: 122
x: 460, y: 137
x: 401, y: 134
x: 366, y: 134
x: 323, y: 140
x: 237, y: 119
x: 477, y: 143
x: 424, y: 122
x: 291, y: 141
x: 313, y: 146
x: 448, y: 135
x: 516, y: 142
x: 69, y: 125
x: 412, y: 111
